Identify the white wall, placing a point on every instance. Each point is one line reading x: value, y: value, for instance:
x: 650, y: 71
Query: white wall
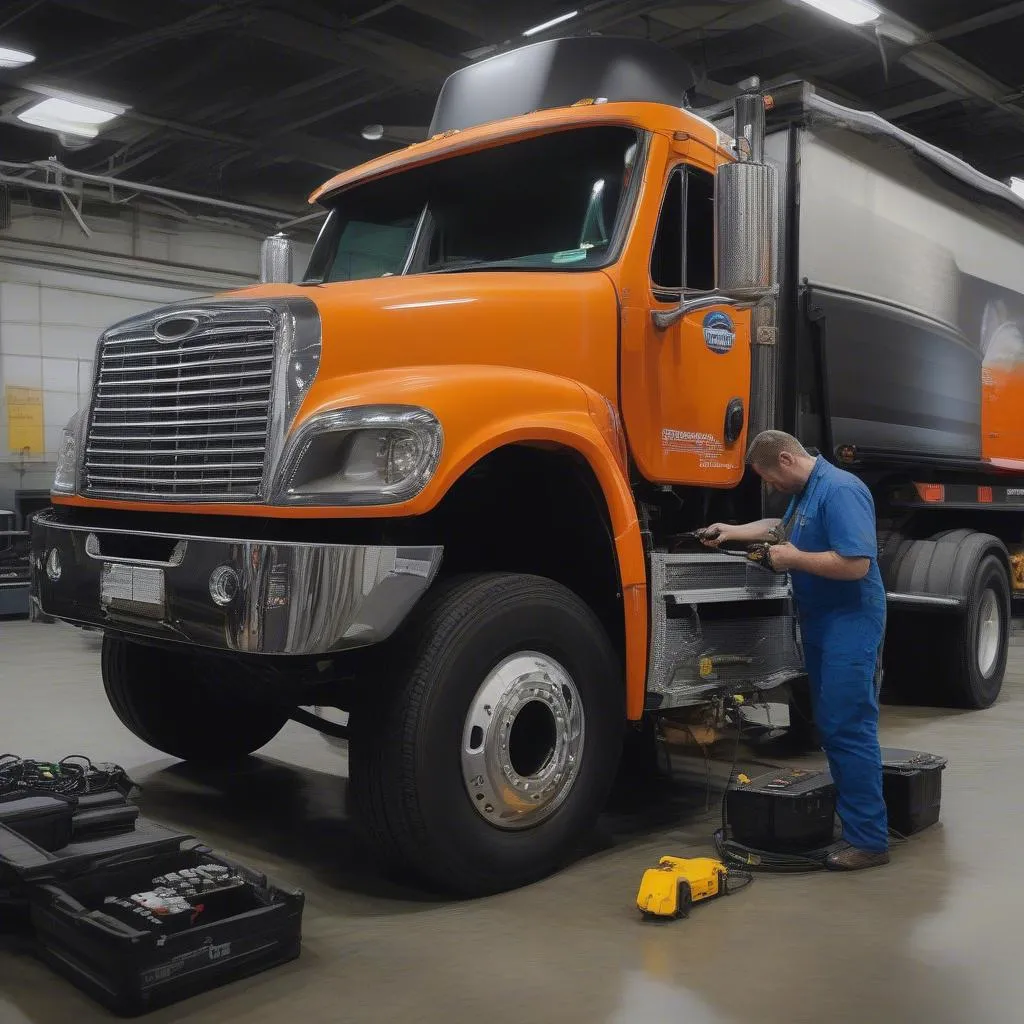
x: 59, y: 290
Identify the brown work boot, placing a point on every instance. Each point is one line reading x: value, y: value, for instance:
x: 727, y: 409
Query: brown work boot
x: 852, y: 859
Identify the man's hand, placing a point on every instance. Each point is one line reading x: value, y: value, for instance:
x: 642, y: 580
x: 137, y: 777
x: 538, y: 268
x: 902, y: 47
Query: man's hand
x: 827, y: 564
x: 717, y: 534
x: 785, y: 557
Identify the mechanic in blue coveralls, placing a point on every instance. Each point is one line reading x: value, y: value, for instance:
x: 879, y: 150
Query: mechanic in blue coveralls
x: 831, y: 551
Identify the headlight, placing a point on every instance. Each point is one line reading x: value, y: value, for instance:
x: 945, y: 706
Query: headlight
x: 374, y: 455
x: 65, y: 479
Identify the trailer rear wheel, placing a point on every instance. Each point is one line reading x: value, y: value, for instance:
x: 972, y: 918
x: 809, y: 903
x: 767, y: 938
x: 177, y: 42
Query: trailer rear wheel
x: 486, y: 747
x: 952, y: 657
x: 976, y: 663
x: 172, y: 702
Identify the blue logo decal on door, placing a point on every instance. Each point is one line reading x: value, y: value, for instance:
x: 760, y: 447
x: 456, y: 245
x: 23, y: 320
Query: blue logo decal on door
x: 719, y: 332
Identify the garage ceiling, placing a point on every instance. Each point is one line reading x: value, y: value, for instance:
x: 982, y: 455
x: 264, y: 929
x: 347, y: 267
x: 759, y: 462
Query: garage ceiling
x: 259, y: 100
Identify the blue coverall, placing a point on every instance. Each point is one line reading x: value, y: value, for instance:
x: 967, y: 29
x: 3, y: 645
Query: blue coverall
x: 842, y: 624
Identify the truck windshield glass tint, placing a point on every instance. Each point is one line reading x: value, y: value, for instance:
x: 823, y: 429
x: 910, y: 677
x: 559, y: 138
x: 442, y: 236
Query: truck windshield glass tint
x: 550, y: 203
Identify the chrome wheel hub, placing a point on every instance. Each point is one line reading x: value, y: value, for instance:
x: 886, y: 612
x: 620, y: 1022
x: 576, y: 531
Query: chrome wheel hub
x: 522, y: 741
x: 990, y: 633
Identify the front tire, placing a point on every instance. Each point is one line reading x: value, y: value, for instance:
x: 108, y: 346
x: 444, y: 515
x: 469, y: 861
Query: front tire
x: 187, y: 707
x: 487, y: 749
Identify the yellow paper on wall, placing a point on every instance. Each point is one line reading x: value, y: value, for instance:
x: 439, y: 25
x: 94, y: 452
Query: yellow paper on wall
x: 25, y: 420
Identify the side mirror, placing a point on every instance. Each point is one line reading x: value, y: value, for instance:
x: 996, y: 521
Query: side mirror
x: 276, y: 259
x: 746, y: 220
x: 747, y: 231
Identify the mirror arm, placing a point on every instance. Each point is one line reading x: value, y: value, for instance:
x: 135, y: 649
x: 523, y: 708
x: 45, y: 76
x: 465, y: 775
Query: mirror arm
x: 665, y: 318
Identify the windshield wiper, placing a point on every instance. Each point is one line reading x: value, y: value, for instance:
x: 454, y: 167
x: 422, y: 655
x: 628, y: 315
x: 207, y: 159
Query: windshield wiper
x: 459, y: 265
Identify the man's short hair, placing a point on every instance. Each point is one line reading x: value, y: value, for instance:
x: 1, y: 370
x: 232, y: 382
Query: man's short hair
x: 765, y: 449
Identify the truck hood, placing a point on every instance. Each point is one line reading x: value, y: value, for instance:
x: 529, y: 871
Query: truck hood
x: 565, y: 324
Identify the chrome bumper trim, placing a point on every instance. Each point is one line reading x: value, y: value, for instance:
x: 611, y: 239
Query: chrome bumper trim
x: 292, y: 598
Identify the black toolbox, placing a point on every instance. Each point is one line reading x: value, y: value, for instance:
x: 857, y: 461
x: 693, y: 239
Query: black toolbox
x: 912, y: 788
x: 46, y: 821
x: 785, y: 811
x: 104, y: 814
x: 132, y: 967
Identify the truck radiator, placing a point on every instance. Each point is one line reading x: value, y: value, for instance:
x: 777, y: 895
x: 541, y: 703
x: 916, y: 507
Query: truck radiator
x: 181, y: 406
x: 718, y: 625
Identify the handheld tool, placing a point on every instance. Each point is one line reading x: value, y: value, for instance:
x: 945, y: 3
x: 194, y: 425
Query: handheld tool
x: 759, y: 554
x: 701, y: 535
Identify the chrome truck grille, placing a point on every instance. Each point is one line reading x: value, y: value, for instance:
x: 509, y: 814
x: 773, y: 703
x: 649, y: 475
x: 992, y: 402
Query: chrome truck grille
x: 181, y: 406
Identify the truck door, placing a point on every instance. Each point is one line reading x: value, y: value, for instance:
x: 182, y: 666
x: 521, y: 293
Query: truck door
x: 685, y: 388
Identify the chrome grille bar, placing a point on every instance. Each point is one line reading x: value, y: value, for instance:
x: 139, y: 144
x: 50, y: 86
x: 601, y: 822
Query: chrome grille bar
x: 183, y: 452
x: 195, y: 393
x: 198, y: 481
x: 186, y: 418
x: 113, y: 440
x: 128, y: 337
x: 227, y: 406
x: 148, y: 367
x: 183, y: 423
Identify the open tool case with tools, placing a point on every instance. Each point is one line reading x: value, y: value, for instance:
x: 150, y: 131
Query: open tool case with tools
x: 137, y: 915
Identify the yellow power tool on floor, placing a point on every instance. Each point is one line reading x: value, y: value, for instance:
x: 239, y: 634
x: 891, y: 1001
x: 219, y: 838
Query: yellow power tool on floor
x: 670, y: 889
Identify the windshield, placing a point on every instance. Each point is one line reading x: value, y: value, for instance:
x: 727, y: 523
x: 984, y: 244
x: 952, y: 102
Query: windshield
x: 549, y: 203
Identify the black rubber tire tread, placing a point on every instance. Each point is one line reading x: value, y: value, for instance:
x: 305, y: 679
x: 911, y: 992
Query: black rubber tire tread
x: 170, y: 701
x: 684, y: 900
x: 958, y: 670
x: 890, y: 542
x: 406, y: 794
x: 931, y: 657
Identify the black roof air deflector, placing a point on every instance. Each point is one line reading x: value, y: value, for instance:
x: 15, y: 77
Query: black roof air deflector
x: 558, y: 73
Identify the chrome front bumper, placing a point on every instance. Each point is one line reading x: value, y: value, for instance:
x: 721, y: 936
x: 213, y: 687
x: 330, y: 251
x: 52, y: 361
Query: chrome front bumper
x: 276, y: 597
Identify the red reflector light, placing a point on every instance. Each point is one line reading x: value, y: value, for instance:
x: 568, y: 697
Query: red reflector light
x: 985, y: 495
x: 931, y: 493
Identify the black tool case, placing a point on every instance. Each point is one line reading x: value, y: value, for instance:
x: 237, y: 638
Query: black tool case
x: 912, y: 787
x: 786, y: 811
x: 93, y: 819
x: 133, y: 968
x: 44, y: 820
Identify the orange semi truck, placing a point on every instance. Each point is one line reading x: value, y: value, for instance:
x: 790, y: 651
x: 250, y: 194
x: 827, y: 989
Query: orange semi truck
x: 443, y: 483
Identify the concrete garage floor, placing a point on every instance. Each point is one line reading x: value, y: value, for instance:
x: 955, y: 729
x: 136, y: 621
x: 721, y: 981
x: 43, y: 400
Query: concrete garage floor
x: 934, y: 937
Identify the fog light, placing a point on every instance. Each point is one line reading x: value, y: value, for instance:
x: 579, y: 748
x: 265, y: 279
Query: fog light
x: 223, y: 585
x: 53, y: 567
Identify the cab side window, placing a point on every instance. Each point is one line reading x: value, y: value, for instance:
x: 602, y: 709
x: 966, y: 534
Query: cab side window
x: 667, y: 272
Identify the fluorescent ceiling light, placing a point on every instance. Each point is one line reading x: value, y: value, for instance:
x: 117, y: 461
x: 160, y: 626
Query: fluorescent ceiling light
x: 550, y: 24
x: 1017, y: 185
x: 71, y: 116
x: 853, y: 12
x: 11, y: 58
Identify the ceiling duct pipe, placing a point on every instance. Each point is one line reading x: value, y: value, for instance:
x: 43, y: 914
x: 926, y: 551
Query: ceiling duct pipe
x: 51, y: 167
